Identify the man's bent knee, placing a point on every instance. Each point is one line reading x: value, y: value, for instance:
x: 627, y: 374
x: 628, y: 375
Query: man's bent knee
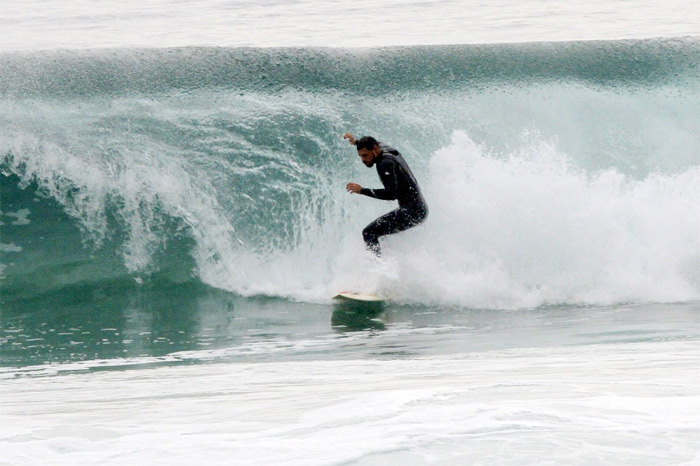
x: 371, y: 238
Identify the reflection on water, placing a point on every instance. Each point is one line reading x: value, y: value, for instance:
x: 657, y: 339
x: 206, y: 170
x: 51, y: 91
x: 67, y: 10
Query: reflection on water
x: 123, y: 320
x: 357, y: 315
x: 118, y: 320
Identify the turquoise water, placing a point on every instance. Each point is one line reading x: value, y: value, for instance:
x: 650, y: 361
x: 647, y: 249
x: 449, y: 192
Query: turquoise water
x: 174, y: 223
x: 122, y: 327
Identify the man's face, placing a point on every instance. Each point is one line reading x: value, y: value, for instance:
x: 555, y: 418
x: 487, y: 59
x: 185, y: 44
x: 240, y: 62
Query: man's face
x: 368, y: 156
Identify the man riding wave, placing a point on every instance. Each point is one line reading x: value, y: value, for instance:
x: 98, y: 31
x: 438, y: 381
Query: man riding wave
x: 399, y: 184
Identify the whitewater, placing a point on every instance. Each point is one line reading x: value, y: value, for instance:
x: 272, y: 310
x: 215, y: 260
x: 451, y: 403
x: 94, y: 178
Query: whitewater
x: 174, y: 222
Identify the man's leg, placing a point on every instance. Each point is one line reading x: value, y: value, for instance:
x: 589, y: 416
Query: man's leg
x: 393, y: 222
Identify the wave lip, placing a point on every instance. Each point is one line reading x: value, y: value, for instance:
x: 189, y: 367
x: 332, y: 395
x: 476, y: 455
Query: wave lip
x: 378, y: 71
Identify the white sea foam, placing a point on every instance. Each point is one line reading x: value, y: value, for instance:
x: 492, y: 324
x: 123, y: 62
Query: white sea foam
x: 20, y: 217
x: 530, y: 229
x: 625, y: 404
x: 10, y: 247
x: 511, y: 231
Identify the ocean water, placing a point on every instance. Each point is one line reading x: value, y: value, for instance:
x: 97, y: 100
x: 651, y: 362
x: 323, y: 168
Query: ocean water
x: 174, y: 223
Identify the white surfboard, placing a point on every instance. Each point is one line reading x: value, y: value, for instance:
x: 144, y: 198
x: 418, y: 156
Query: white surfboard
x: 363, y: 297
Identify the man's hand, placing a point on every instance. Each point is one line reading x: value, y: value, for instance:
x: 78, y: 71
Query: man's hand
x: 350, y: 138
x: 353, y: 188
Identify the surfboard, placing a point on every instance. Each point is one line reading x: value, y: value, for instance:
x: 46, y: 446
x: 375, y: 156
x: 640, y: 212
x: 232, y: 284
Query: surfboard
x: 362, y: 297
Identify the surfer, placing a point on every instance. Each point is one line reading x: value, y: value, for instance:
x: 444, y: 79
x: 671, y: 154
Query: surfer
x: 399, y: 184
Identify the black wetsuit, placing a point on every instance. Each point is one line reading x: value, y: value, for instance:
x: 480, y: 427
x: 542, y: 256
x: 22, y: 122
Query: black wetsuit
x: 400, y: 184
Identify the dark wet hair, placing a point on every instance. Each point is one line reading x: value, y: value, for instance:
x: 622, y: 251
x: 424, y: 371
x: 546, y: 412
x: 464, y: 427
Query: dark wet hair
x: 366, y: 142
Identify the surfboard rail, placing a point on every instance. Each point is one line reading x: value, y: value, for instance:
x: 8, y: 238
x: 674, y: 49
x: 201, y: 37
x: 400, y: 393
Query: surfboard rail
x: 364, y: 297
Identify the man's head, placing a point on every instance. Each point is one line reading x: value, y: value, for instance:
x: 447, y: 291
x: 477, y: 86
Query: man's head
x: 368, y: 149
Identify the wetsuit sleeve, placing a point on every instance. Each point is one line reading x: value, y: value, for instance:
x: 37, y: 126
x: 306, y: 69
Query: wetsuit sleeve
x: 388, y: 175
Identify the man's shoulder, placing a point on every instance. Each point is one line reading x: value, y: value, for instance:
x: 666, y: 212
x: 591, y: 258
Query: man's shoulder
x: 388, y: 161
x: 387, y: 149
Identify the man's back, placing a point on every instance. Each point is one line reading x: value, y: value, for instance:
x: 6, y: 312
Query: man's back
x: 398, y: 179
